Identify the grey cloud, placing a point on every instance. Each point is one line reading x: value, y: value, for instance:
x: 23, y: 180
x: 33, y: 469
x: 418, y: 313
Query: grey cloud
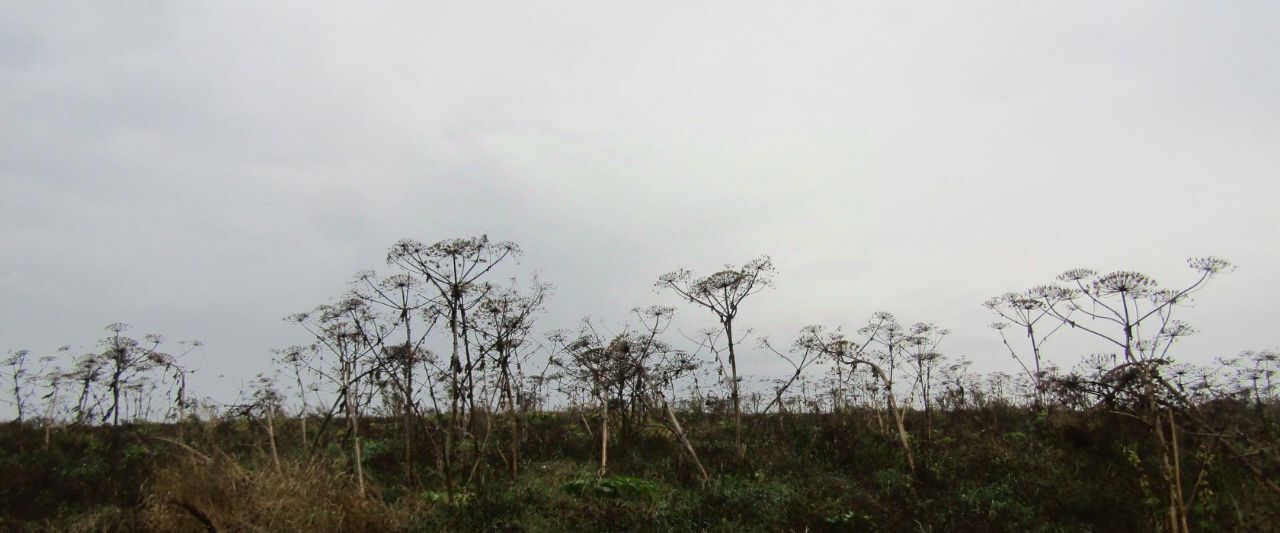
x: 203, y: 170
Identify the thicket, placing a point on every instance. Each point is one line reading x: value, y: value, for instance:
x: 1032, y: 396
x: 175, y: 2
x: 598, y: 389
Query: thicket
x: 428, y: 398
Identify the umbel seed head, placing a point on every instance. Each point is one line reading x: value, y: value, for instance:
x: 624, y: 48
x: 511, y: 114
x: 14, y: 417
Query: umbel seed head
x: 1210, y: 265
x: 1125, y: 283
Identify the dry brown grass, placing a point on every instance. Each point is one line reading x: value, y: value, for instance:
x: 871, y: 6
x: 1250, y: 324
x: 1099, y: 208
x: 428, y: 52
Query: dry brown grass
x: 203, y: 494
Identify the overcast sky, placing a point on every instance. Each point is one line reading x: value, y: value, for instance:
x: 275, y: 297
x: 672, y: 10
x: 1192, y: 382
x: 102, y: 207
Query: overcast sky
x: 203, y: 169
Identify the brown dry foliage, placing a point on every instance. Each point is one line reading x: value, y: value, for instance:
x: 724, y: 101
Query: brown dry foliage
x: 194, y: 494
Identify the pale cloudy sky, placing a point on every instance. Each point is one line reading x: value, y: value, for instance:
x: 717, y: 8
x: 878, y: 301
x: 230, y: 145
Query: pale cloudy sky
x: 204, y: 169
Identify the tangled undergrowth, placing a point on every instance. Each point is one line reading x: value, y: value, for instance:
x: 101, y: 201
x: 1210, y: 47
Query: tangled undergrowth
x: 988, y: 470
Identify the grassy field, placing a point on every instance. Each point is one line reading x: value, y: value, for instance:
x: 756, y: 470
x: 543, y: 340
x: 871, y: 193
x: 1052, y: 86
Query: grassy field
x: 991, y: 470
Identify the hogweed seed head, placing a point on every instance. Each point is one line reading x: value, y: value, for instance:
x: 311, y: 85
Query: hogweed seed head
x: 1124, y: 283
x: 1210, y: 265
x: 1077, y: 274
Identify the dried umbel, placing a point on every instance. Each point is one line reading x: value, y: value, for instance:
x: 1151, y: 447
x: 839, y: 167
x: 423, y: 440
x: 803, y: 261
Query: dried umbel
x: 16, y: 357
x: 1175, y: 329
x: 842, y: 348
x: 924, y: 329
x: 1124, y: 283
x: 400, y: 282
x: 1051, y: 293
x: 655, y: 312
x: 725, y: 279
x: 1166, y: 297
x: 451, y: 261
x: 928, y: 356
x: 351, y: 303
x: 1077, y: 274
x: 1210, y: 265
x: 882, y: 323
x: 160, y: 358
x: 1016, y: 301
x: 1028, y: 304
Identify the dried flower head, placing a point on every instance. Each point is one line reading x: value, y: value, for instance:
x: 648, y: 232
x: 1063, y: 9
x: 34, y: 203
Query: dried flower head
x: 1051, y: 293
x: 1175, y: 329
x: 1024, y: 303
x: 1124, y: 283
x: 1077, y: 274
x: 1210, y: 265
x: 400, y: 282
x: 725, y: 279
x: 1166, y: 296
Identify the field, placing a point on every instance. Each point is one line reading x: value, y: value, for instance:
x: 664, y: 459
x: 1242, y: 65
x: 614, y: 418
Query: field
x: 993, y: 469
